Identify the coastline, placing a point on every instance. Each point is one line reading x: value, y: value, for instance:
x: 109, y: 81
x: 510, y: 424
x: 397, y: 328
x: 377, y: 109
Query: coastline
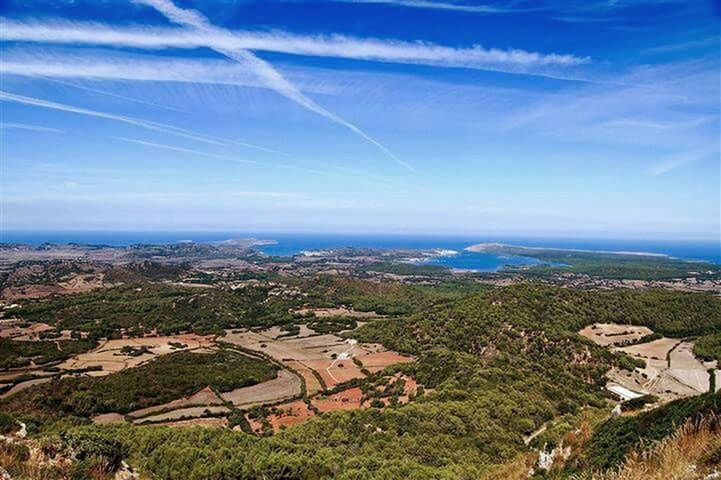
x: 495, y: 247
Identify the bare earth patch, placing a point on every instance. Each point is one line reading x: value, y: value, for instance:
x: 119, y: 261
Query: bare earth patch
x: 286, y: 385
x: 109, y: 356
x: 293, y: 413
x: 182, y: 413
x: 108, y: 418
x: 210, y: 422
x: 205, y: 396
x: 687, y: 369
x: 671, y: 370
x: 336, y: 312
x: 312, y: 385
x: 349, y: 399
x: 329, y: 355
x: 13, y: 330
x: 24, y: 385
x: 606, y: 334
x: 285, y: 415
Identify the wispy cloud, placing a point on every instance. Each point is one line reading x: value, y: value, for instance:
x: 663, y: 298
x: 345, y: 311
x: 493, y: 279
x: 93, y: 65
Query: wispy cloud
x: 265, y: 71
x: 186, y: 150
x: 115, y: 95
x: 336, y: 46
x: 680, y: 160
x: 115, y: 65
x: 26, y: 126
x: 670, y: 106
x: 155, y: 126
x: 193, y: 152
x: 712, y: 41
x: 158, y: 127
x: 435, y: 5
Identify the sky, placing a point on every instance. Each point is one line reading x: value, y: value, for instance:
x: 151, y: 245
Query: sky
x: 589, y: 118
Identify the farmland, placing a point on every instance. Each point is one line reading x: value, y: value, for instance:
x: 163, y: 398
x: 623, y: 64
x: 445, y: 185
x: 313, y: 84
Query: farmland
x: 320, y: 373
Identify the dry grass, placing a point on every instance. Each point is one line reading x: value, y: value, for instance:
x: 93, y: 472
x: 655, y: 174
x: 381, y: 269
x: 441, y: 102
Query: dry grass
x: 21, y: 467
x: 692, y: 453
x: 29, y: 463
x: 517, y: 469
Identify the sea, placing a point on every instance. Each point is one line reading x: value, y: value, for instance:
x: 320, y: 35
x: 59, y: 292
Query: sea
x: 451, y: 248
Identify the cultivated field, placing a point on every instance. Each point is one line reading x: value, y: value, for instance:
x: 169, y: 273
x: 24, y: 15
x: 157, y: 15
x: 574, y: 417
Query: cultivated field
x: 111, y: 359
x: 205, y: 396
x: 292, y: 413
x: 606, y: 334
x: 687, y: 369
x: 286, y: 385
x: 23, y: 385
x: 671, y: 371
x: 108, y: 418
x: 209, y: 422
x: 285, y: 415
x: 13, y: 329
x: 183, y: 413
x: 330, y: 356
x: 336, y: 312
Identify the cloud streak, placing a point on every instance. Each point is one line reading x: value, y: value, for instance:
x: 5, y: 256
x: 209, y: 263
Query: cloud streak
x: 115, y: 95
x: 434, y: 5
x: 265, y: 71
x: 186, y: 150
x: 681, y: 160
x: 31, y: 128
x: 335, y: 46
x: 155, y: 126
x: 158, y: 127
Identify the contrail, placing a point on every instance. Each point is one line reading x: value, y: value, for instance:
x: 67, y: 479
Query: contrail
x: 158, y: 127
x: 261, y: 68
x: 186, y: 150
x: 110, y: 94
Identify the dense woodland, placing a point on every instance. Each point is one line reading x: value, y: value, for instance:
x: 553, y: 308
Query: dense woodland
x: 143, y: 307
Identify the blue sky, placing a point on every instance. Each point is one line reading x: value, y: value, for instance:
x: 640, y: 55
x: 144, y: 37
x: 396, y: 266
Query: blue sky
x: 567, y: 118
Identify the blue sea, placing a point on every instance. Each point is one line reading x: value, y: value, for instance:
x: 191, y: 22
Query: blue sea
x: 294, y: 243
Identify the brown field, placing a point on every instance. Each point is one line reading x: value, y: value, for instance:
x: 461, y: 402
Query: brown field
x: 288, y: 414
x: 317, y: 353
x: 23, y: 385
x: 205, y: 396
x: 210, y: 422
x: 334, y: 372
x: 606, y: 334
x: 14, y: 330
x: 79, y: 283
x: 685, y: 376
x: 349, y: 399
x: 336, y: 312
x: 312, y: 385
x: 11, y: 375
x: 687, y: 369
x: 108, y: 418
x: 285, y: 415
x: 286, y: 385
x: 109, y: 357
x: 181, y: 414
x: 655, y: 350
